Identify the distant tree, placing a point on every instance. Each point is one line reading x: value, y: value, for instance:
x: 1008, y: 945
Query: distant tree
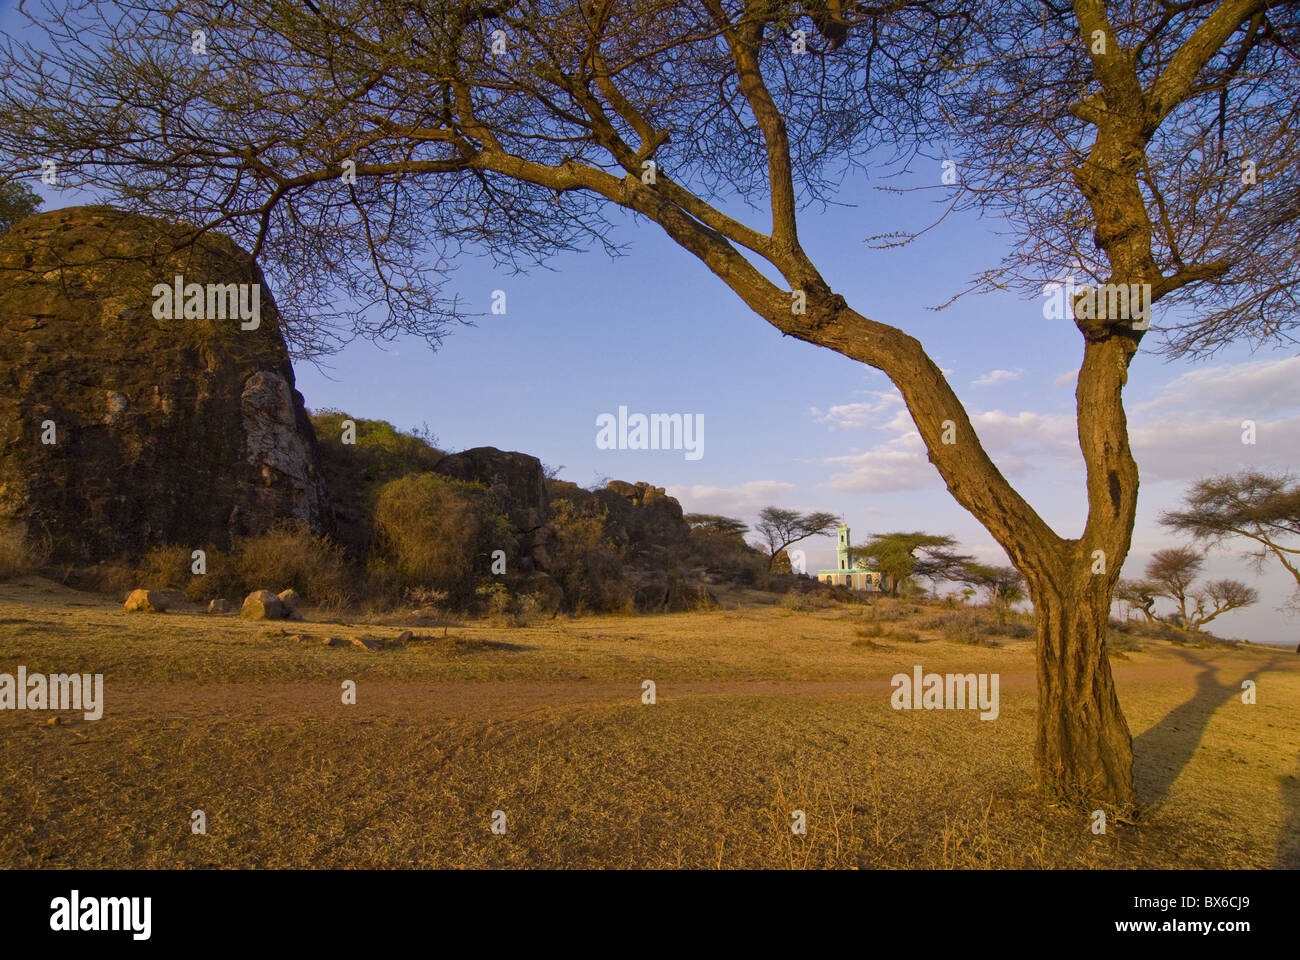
x: 1258, y: 506
x: 1139, y: 595
x: 713, y: 523
x: 718, y: 543
x: 1005, y: 585
x: 1218, y: 597
x: 17, y: 202
x: 783, y: 528
x: 905, y: 556
x: 939, y: 563
x: 1172, y: 574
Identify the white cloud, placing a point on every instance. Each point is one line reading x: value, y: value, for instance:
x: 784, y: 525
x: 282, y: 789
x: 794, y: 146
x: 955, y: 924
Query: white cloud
x: 1255, y: 389
x: 996, y: 376
x: 1029, y: 440
x: 898, y: 465
x: 1018, y: 444
x: 1067, y: 378
x: 1191, y: 427
x: 1184, y: 447
x: 870, y: 413
x: 744, y: 500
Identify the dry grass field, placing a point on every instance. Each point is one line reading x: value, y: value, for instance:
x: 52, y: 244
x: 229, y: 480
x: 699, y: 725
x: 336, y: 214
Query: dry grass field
x: 761, y: 710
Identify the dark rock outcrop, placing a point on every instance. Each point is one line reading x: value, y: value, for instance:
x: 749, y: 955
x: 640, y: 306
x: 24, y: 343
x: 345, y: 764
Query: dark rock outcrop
x: 643, y: 515
x: 518, y: 483
x: 165, y: 430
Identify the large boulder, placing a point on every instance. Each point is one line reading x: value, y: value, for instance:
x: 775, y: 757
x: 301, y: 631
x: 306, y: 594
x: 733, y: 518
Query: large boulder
x: 291, y: 603
x: 518, y: 484
x: 121, y: 429
x: 146, y: 601
x: 262, y: 605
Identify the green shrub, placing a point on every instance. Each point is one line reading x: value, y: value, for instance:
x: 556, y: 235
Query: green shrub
x: 585, y: 565
x: 170, y: 567
x: 506, y: 609
x: 381, y: 450
x: 164, y: 567
x: 800, y: 600
x: 1119, y: 641
x: 904, y: 636
x: 18, y: 556
x: 439, y: 533
x: 290, y: 556
x: 964, y: 626
x: 355, y: 472
x: 975, y: 625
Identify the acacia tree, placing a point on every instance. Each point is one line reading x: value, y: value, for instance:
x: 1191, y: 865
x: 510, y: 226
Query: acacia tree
x: 1216, y: 597
x: 781, y: 528
x: 713, y: 523
x: 1005, y: 585
x: 906, y: 555
x: 1172, y: 574
x: 1138, y: 595
x: 1252, y: 505
x: 516, y: 127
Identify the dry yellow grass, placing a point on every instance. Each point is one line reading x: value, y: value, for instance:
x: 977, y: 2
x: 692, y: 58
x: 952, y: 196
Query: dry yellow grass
x: 761, y: 711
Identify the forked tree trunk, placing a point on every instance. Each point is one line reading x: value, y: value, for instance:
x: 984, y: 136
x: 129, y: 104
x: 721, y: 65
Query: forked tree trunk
x: 1084, y: 749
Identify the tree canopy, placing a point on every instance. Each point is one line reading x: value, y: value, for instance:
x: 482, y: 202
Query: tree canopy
x: 782, y: 528
x: 1172, y: 574
x: 905, y: 556
x: 17, y: 202
x: 1252, y: 505
x: 728, y: 526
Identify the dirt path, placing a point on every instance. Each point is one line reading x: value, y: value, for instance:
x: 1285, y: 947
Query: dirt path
x: 511, y: 698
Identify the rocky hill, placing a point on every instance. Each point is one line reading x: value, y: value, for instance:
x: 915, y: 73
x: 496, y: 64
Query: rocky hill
x: 147, y: 401
x: 123, y: 428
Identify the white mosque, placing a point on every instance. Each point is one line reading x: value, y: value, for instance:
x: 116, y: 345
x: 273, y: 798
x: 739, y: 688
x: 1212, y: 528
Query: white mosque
x: 849, y: 573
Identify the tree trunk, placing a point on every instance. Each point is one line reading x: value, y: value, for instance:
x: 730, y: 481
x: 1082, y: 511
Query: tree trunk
x: 1084, y: 749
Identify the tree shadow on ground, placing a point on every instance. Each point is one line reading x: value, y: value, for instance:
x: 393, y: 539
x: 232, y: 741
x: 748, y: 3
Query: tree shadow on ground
x: 1163, y: 751
x: 1288, y: 843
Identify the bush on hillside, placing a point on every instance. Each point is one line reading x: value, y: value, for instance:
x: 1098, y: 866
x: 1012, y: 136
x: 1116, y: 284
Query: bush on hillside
x: 170, y: 567
x: 586, y: 566
x: 381, y: 450
x: 19, y: 557
x: 438, y: 533
x: 290, y: 556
